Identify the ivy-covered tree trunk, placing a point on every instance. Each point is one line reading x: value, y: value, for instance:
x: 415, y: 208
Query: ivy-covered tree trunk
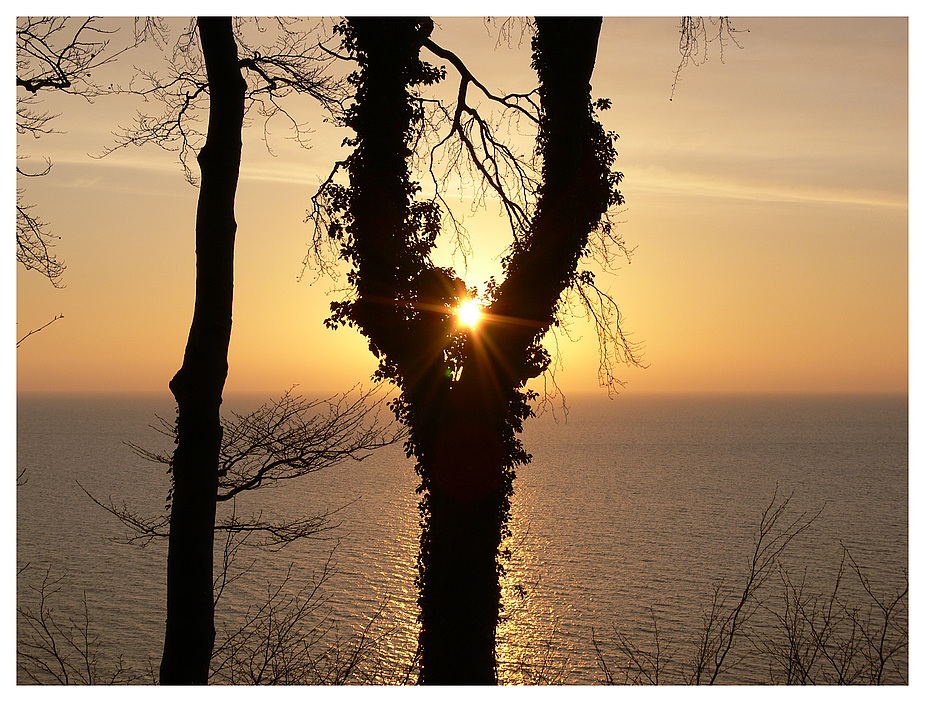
x: 476, y: 447
x: 463, y: 395
x: 198, y: 384
x: 469, y: 478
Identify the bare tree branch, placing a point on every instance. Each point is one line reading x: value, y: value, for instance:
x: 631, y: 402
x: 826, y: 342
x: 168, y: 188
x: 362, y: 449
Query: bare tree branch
x: 35, y: 331
x: 503, y: 172
x: 696, y: 36
x: 292, y: 62
x: 282, y: 440
x: 59, y: 54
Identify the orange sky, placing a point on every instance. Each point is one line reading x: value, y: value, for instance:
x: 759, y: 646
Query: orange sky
x: 767, y: 204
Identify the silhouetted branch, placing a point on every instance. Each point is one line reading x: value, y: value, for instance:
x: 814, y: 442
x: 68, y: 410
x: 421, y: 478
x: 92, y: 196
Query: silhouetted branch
x: 696, y: 38
x: 60, y: 53
x: 34, y: 242
x: 54, y: 54
x: 292, y: 437
x: 613, y: 344
x: 35, y: 331
x: 276, y: 534
x: 511, y: 101
x: 328, y: 232
x: 291, y: 63
x: 504, y: 173
x: 53, y: 650
x: 283, y: 439
x: 141, y: 529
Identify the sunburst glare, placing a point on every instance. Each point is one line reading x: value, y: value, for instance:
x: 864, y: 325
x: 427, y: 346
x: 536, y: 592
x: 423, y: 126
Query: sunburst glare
x: 469, y: 312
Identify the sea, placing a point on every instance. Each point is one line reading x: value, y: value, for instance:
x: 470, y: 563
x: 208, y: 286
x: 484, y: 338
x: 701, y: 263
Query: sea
x: 631, y: 530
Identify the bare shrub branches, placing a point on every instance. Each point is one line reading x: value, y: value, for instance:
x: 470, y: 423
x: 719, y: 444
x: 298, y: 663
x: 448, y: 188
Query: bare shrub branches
x: 287, y: 637
x: 830, y: 639
x: 728, y: 615
x: 804, y: 638
x: 56, y: 650
x: 642, y: 666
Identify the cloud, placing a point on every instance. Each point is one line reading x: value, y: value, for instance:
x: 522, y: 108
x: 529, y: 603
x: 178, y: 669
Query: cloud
x: 663, y: 182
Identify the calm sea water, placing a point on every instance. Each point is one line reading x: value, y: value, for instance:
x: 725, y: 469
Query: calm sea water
x: 633, y: 507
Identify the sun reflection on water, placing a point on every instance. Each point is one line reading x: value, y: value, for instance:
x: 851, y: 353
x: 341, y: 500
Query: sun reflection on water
x: 529, y: 645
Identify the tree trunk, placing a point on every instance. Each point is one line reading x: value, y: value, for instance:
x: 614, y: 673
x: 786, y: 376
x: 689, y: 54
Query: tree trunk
x: 463, y: 430
x: 198, y: 384
x: 472, y: 473
x: 467, y: 500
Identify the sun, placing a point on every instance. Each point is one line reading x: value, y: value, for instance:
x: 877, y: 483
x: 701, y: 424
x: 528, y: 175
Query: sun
x: 469, y: 313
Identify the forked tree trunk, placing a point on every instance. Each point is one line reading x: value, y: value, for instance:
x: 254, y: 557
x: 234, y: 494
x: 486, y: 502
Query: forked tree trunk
x: 463, y: 429
x: 198, y: 384
x: 472, y: 473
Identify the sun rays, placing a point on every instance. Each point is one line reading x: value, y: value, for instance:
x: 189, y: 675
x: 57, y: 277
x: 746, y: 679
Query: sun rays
x: 469, y: 313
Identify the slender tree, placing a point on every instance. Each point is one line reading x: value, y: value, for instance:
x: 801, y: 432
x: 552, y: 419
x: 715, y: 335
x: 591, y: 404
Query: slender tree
x: 229, y: 77
x: 198, y: 384
x: 463, y: 393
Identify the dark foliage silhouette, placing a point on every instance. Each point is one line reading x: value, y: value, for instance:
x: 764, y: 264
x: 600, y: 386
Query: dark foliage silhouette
x: 463, y: 393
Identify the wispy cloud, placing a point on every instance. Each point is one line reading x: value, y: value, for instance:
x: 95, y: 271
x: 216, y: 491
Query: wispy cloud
x: 695, y: 185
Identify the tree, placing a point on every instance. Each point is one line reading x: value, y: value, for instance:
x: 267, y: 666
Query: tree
x: 198, y: 482
x: 199, y: 383
x: 463, y: 394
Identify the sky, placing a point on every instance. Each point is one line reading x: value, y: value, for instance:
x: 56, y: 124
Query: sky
x: 766, y: 206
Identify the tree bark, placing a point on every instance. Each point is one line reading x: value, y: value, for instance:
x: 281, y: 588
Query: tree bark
x: 199, y: 383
